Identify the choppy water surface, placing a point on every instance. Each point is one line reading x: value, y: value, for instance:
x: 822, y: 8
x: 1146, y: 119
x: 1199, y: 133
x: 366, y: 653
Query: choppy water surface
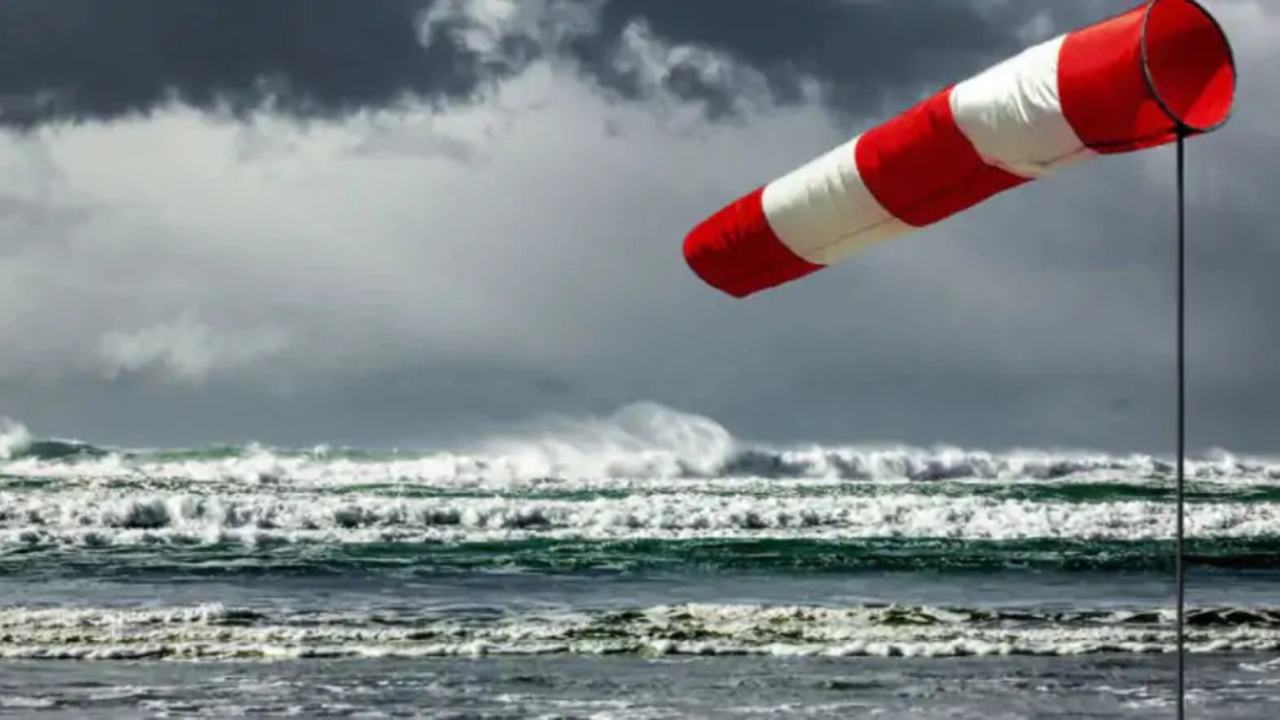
x: 650, y: 566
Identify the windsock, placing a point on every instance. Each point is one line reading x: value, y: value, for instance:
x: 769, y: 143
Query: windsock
x: 1134, y: 81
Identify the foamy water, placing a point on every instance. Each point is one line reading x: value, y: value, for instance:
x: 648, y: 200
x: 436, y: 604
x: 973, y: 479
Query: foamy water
x: 107, y: 517
x: 648, y: 473
x: 213, y: 632
x: 557, y: 568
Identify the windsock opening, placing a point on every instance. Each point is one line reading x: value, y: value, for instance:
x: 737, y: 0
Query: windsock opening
x: 1188, y: 64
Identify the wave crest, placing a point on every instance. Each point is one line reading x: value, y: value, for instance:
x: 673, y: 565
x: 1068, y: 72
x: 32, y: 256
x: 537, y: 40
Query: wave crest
x: 111, y: 518
x: 643, y: 441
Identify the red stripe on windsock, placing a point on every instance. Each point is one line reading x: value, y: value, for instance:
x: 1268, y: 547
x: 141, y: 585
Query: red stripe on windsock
x: 1104, y: 93
x: 737, y: 251
x: 922, y: 168
x: 1103, y: 83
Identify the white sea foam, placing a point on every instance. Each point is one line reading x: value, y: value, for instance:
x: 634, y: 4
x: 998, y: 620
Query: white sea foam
x: 109, y: 517
x: 646, y: 472
x: 213, y: 632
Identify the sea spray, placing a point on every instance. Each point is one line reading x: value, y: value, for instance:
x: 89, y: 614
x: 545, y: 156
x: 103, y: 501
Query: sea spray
x: 13, y: 438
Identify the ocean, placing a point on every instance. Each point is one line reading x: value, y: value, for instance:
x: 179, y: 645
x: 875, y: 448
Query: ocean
x: 648, y: 565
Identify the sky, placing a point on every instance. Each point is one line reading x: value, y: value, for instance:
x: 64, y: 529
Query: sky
x: 415, y: 221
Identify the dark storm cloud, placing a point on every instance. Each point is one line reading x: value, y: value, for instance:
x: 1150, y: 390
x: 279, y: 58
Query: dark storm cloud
x: 75, y: 59
x: 520, y: 255
x: 859, y: 51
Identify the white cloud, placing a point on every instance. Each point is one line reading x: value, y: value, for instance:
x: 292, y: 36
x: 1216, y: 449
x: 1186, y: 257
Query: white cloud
x: 187, y: 350
x: 486, y: 22
x: 653, y: 62
x: 356, y: 243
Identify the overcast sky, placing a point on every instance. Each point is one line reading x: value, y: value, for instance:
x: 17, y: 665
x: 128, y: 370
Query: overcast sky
x: 409, y: 221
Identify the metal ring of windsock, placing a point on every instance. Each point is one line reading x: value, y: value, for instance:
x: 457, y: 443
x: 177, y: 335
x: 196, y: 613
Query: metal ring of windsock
x: 1137, y: 80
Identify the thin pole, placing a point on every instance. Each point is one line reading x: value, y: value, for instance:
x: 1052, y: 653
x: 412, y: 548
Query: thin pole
x: 1179, y: 577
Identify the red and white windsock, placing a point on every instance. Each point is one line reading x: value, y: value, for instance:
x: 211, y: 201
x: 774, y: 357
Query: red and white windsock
x: 1133, y: 81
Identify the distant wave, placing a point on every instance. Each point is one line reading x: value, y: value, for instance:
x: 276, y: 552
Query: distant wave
x: 641, y: 442
x: 16, y: 443
x: 219, y: 633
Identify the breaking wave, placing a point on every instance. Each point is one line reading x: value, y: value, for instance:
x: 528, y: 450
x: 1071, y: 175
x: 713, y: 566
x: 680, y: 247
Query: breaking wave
x: 646, y: 487
x: 94, y: 518
x: 640, y: 442
x: 216, y: 632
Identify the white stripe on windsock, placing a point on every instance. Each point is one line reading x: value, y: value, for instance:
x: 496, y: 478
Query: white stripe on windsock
x: 1012, y: 114
x: 823, y: 211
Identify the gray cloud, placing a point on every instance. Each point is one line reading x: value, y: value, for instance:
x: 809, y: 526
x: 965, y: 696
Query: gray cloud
x: 400, y: 277
x: 75, y: 59
x: 78, y: 59
x: 37, y: 212
x: 859, y: 52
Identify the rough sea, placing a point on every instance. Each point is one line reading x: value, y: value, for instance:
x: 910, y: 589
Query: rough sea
x: 646, y: 565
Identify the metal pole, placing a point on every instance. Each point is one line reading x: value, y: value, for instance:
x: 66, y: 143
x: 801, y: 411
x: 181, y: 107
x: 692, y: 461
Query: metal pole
x: 1179, y: 577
